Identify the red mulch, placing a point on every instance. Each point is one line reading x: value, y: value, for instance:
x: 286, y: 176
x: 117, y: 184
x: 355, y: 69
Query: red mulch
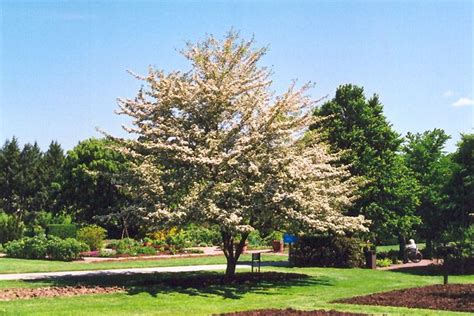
x: 451, y: 297
x: 291, y: 312
x: 54, y: 291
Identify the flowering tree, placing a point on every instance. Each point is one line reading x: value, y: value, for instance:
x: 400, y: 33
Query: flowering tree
x: 215, y: 146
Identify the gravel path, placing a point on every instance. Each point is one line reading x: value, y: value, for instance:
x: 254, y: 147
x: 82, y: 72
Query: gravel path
x: 44, y: 275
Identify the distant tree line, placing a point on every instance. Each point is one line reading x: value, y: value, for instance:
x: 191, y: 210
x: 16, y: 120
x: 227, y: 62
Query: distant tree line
x: 412, y: 186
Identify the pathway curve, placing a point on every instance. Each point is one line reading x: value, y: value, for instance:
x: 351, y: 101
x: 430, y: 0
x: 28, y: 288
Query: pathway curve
x: 129, y: 271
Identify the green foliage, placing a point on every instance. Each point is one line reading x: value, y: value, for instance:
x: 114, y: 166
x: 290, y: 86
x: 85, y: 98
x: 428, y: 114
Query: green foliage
x: 460, y: 188
x: 177, y: 242
x: 29, y: 180
x: 327, y: 251
x: 198, y: 235
x: 62, y: 230
x: 10, y: 185
x: 274, y: 235
x: 89, y: 189
x: 131, y: 247
x: 42, y: 247
x: 384, y: 262
x: 65, y: 249
x: 423, y: 153
x: 391, y: 255
x: 39, y: 224
x: 11, y: 228
x: 28, y: 248
x: 358, y: 126
x: 460, y: 252
x: 254, y: 239
x: 93, y: 236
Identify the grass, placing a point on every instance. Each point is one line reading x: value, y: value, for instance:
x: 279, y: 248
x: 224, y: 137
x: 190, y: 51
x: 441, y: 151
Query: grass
x: 323, y: 286
x: 10, y: 265
x: 395, y: 247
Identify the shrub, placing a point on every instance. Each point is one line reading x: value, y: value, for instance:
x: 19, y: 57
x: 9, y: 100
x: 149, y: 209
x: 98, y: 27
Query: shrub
x: 386, y: 262
x: 327, y: 251
x: 459, y: 254
x: 177, y: 242
x: 127, y: 246
x: 62, y: 230
x: 274, y: 235
x: 65, y: 249
x: 146, y: 250
x: 131, y: 247
x: 163, y: 234
x: 203, y: 236
x: 254, y: 239
x: 28, y: 248
x: 390, y: 254
x: 42, y: 219
x: 11, y: 228
x: 93, y: 236
x: 112, y: 244
x: 40, y: 247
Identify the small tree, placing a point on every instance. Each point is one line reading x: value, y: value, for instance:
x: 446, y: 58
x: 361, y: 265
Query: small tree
x: 214, y: 146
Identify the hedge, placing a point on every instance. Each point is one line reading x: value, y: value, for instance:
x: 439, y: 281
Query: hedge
x: 42, y: 247
x: 327, y: 251
x: 62, y: 230
x: 11, y: 228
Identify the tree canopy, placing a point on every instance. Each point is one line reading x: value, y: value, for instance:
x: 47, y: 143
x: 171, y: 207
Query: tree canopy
x: 89, y: 190
x: 214, y: 145
x: 358, y: 126
x: 424, y: 155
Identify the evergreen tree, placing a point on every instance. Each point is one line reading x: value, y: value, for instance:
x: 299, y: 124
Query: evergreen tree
x: 358, y: 126
x: 9, y: 176
x: 32, y: 190
x: 53, y: 160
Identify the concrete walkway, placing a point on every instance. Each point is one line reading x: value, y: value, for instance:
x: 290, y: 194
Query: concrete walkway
x: 129, y: 271
x: 422, y: 263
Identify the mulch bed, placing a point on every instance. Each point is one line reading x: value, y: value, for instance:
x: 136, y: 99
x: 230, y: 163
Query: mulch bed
x: 291, y: 312
x: 54, y: 291
x: 81, y: 285
x: 451, y: 297
x: 200, y: 281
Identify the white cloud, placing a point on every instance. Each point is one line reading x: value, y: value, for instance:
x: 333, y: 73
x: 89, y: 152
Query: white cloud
x: 448, y: 94
x: 463, y: 102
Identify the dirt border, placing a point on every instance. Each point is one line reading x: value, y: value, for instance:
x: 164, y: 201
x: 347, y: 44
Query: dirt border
x: 450, y: 297
x: 291, y: 312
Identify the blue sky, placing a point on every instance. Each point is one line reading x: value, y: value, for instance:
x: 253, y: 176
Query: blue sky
x: 63, y: 63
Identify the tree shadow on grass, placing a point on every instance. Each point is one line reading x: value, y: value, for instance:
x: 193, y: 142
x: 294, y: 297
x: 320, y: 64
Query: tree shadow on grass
x: 193, y: 283
x: 430, y: 270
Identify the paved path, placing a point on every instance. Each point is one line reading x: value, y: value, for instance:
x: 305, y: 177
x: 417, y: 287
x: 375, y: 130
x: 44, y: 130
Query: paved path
x: 208, y: 251
x: 422, y: 263
x: 130, y: 271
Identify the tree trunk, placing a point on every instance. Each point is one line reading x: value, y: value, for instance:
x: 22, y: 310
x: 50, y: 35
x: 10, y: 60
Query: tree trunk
x: 230, y: 269
x: 231, y: 252
x: 429, y: 248
x: 401, y: 249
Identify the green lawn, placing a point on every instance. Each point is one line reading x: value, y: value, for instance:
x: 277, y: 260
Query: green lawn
x: 316, y: 292
x: 10, y: 265
x: 395, y: 247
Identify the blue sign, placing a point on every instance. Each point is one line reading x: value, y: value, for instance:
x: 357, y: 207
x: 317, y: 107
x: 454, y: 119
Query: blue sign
x: 289, y: 239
